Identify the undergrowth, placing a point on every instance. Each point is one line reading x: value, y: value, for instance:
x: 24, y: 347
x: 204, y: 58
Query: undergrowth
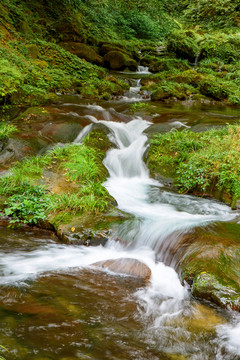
x: 200, y: 161
x: 34, y: 196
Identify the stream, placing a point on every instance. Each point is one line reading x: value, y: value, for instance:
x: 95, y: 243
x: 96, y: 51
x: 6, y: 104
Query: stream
x: 55, y: 306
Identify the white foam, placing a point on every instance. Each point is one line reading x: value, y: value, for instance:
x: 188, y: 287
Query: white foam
x: 230, y: 337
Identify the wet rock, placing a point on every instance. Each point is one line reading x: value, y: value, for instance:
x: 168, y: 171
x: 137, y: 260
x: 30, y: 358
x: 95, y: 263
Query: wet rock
x: 207, y: 286
x: 62, y: 132
x: 13, y: 150
x: 163, y: 127
x: 83, y: 51
x: 116, y: 60
x: 45, y: 224
x: 87, y: 238
x: 126, y: 266
x: 209, y: 262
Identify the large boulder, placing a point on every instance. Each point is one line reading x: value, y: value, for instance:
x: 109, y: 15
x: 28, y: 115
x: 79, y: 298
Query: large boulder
x: 116, y: 60
x: 209, y: 262
x: 105, y: 48
x: 83, y: 51
x: 126, y: 266
x: 68, y: 30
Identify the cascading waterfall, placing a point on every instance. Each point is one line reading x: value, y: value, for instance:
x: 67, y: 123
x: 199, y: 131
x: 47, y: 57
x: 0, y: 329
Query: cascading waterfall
x: 159, y: 213
x: 160, y: 217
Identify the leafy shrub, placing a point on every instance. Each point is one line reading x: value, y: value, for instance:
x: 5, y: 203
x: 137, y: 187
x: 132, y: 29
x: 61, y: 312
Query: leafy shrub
x: 28, y: 207
x: 200, y: 161
x: 217, y: 13
x: 184, y: 44
x: 143, y: 26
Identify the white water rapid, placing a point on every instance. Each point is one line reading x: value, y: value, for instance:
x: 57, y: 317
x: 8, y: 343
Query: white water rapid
x: 160, y: 214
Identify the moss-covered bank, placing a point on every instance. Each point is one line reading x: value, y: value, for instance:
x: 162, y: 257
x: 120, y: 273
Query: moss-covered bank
x: 196, y: 65
x: 63, y: 184
x: 205, y: 163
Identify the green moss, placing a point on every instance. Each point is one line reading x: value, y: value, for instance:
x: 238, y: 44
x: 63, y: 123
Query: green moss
x: 65, y: 180
x: 6, y: 130
x: 184, y: 44
x: 200, y: 162
x: 172, y: 90
x: 210, y: 264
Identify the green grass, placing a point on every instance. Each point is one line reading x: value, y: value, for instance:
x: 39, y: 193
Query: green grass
x: 6, y: 130
x: 200, y: 161
x: 31, y: 193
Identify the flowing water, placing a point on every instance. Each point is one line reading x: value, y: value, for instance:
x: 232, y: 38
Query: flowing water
x: 55, y: 305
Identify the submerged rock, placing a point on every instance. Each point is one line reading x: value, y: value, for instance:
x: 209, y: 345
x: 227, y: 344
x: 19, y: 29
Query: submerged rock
x: 126, y: 266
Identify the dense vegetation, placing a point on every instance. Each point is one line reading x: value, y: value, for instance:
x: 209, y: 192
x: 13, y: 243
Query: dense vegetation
x: 37, y: 36
x: 64, y: 182
x: 205, y: 162
x: 192, y: 49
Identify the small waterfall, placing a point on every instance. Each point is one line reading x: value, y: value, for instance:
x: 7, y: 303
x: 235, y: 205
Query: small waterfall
x: 133, y: 93
x: 160, y: 214
x: 196, y: 58
x: 160, y: 217
x: 143, y: 70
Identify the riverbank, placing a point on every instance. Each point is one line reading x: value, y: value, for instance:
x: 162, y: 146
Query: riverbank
x: 201, y: 163
x: 108, y: 164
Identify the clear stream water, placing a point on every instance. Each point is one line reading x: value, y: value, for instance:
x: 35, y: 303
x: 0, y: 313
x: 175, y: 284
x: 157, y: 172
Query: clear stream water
x: 54, y: 305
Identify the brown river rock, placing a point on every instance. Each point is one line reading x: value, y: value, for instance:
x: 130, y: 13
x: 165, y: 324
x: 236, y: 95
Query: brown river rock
x: 126, y: 266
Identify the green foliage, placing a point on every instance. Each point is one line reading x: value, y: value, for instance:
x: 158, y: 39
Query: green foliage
x: 28, y: 207
x: 200, y: 160
x: 10, y: 79
x: 172, y: 90
x: 142, y: 24
x: 138, y: 106
x: 184, y: 44
x: 34, y: 81
x: 216, y: 13
x: 7, y: 130
x: 83, y: 164
x: 2, y: 348
x: 222, y: 46
x: 80, y: 168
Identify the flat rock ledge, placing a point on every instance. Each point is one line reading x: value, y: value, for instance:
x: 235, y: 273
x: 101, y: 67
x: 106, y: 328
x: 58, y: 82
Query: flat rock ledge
x: 126, y: 266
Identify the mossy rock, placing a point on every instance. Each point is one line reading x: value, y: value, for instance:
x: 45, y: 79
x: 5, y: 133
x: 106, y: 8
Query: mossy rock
x: 33, y: 51
x: 184, y: 44
x: 209, y: 261
x: 69, y: 30
x: 208, y: 287
x: 83, y: 51
x: 167, y: 64
x: 213, y: 89
x: 105, y: 48
x: 190, y: 77
x: 116, y: 60
x: 151, y: 50
x: 172, y: 90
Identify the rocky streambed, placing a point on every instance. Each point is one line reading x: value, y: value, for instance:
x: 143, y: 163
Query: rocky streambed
x: 152, y: 228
